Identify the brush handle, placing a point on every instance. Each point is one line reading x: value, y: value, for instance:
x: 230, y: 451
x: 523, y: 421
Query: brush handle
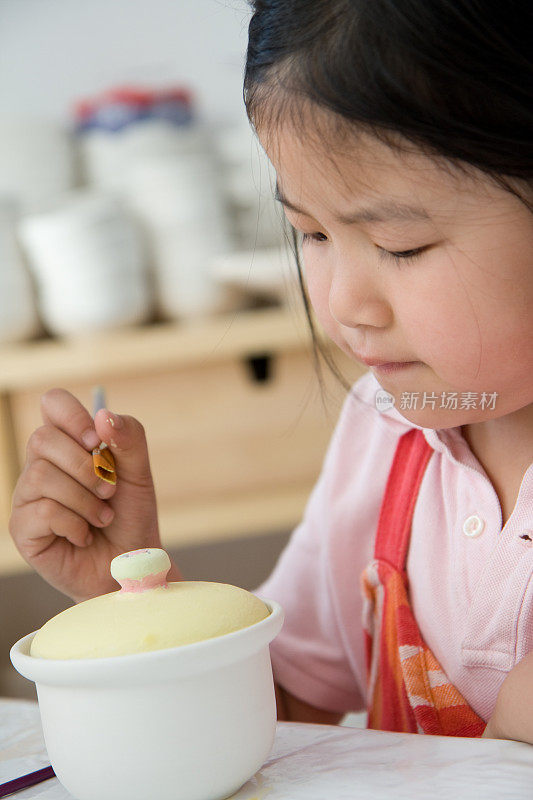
x: 17, y: 784
x: 98, y: 399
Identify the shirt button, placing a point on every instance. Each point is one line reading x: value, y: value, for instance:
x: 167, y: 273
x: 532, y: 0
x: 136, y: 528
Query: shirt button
x: 473, y: 526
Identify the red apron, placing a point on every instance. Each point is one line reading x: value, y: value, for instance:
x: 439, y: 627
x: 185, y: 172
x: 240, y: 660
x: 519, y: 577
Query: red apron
x: 407, y: 688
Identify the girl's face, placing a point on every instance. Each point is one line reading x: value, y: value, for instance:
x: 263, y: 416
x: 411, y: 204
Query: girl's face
x: 412, y: 263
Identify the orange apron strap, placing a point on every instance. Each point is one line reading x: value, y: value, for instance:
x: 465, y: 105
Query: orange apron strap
x: 394, y: 525
x: 407, y: 688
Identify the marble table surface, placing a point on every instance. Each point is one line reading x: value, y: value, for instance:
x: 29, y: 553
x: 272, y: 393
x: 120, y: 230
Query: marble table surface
x: 322, y: 762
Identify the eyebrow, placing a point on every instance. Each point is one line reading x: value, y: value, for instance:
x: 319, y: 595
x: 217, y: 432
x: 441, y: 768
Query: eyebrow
x: 381, y: 212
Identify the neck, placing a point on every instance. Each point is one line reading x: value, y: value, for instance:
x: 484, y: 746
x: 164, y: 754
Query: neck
x: 504, y: 448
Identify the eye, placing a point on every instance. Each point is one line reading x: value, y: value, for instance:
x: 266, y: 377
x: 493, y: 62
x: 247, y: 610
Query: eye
x: 403, y: 255
x: 314, y: 237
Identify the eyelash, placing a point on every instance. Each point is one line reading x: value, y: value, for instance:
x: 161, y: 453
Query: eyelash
x: 403, y: 257
x: 399, y: 257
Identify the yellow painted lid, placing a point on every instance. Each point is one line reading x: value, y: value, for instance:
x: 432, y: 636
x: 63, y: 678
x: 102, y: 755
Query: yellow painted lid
x: 147, y: 613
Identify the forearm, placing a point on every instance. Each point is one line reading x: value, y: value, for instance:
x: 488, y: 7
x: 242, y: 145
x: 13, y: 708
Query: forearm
x: 291, y: 709
x: 513, y: 713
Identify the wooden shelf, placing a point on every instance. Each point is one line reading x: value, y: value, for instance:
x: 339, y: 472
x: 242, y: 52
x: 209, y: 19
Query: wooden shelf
x: 151, y: 348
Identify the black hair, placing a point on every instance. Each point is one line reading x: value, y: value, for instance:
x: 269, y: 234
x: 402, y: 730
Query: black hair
x: 454, y: 77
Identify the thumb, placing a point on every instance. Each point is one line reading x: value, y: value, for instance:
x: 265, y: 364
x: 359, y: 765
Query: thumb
x: 126, y: 438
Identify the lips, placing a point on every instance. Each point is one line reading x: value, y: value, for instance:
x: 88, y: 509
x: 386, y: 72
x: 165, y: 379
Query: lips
x: 380, y: 362
x: 384, y: 366
x: 398, y: 366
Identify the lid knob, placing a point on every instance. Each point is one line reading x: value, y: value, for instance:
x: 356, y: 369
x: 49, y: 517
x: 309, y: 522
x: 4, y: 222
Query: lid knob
x: 139, y: 570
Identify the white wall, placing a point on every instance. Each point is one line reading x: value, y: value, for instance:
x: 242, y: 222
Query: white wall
x: 54, y: 51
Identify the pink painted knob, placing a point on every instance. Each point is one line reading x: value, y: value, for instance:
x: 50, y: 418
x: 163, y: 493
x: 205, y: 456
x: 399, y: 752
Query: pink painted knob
x: 140, y: 570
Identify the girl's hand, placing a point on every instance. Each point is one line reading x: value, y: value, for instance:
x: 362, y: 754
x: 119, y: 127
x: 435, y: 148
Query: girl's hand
x: 66, y: 522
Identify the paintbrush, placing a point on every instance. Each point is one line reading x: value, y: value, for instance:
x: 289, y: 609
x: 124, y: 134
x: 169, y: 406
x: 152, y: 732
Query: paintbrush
x: 103, y: 461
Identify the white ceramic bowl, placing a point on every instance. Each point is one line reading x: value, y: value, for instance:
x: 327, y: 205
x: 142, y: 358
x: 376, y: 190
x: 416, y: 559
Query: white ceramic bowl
x: 190, y: 723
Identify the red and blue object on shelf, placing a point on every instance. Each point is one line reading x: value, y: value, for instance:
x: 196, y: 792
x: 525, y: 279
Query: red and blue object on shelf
x: 118, y: 108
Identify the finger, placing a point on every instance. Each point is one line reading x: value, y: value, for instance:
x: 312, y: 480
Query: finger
x: 53, y: 445
x: 64, y: 411
x: 42, y: 521
x: 126, y: 438
x: 41, y: 479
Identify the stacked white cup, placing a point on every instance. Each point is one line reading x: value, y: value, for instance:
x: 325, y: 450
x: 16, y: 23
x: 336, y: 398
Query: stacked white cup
x: 18, y: 314
x: 88, y: 262
x: 179, y: 201
x: 168, y: 177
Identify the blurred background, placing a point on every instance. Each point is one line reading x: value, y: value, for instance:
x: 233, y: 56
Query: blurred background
x: 141, y: 249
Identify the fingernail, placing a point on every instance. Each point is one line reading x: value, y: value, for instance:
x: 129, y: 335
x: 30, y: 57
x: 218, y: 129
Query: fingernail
x: 89, y: 539
x: 90, y: 438
x: 106, y: 515
x: 114, y: 420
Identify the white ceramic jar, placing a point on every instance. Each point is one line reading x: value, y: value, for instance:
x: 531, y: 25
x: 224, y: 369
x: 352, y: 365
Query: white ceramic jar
x: 193, y: 722
x: 187, y: 722
x: 87, y: 258
x: 108, y: 156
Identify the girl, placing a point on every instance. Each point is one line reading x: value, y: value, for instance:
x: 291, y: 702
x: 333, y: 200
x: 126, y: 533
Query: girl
x: 400, y: 131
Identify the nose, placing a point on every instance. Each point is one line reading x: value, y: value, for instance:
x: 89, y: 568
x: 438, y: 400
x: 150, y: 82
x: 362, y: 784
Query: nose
x: 354, y: 299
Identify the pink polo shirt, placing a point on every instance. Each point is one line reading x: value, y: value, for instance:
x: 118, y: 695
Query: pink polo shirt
x: 470, y: 581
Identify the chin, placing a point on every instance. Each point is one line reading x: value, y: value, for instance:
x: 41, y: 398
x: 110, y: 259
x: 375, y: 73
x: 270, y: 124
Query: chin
x: 442, y: 418
x: 427, y: 418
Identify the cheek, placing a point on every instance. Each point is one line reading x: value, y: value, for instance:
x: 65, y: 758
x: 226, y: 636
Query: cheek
x: 433, y: 310
x: 444, y: 335
x: 508, y: 350
x: 318, y: 284
x: 473, y: 328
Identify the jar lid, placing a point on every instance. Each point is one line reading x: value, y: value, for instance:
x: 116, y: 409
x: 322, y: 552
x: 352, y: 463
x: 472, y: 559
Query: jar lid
x: 147, y: 613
